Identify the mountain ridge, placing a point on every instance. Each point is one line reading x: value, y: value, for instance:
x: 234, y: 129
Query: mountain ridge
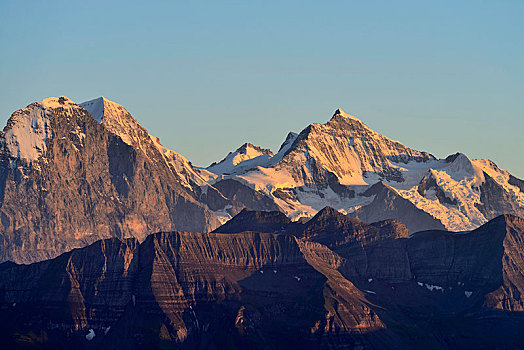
x: 54, y: 179
x: 277, y: 290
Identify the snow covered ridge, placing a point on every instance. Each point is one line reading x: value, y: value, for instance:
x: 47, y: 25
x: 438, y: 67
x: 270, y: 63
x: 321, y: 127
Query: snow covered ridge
x: 331, y: 164
x: 29, y: 128
x: 115, y: 118
x: 245, y: 157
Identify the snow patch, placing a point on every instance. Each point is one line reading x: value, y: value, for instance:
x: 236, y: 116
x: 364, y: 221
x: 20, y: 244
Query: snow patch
x: 432, y: 287
x: 29, y: 130
x: 95, y: 108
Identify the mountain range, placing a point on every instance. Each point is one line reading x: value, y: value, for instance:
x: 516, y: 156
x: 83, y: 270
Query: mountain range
x: 71, y: 174
x: 341, y: 239
x: 333, y: 282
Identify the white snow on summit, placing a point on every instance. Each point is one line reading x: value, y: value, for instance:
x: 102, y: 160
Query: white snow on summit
x: 29, y: 128
x: 244, y: 158
x: 359, y: 157
x: 117, y: 120
x: 95, y: 108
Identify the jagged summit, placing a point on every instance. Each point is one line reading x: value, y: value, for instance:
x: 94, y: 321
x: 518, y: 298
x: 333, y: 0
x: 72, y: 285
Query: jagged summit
x: 56, y: 102
x: 115, y: 118
x: 290, y: 138
x: 248, y: 148
x: 340, y: 112
x: 28, y: 129
x: 245, y: 157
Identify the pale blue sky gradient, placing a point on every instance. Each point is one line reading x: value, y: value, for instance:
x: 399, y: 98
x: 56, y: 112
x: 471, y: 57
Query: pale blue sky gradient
x: 209, y: 76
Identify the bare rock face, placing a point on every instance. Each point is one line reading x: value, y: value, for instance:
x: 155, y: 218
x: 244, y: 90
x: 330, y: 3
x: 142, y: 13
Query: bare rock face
x: 375, y: 288
x: 242, y: 196
x: 494, y: 199
x: 67, y: 181
x: 346, y: 147
x: 191, y: 289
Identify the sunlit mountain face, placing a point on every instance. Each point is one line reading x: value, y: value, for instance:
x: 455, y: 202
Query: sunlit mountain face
x: 348, y: 166
x: 340, y: 238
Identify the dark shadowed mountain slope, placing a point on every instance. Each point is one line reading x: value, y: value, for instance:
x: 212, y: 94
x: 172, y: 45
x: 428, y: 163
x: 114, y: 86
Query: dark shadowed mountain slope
x: 257, y: 221
x: 225, y: 290
x: 435, y: 289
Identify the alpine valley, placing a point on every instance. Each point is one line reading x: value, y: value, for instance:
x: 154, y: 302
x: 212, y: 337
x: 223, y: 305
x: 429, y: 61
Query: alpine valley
x: 343, y: 238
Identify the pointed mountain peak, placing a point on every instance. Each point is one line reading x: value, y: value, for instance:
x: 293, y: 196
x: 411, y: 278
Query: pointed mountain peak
x: 460, y: 166
x: 97, y: 107
x: 250, y: 149
x: 327, y: 213
x: 247, y: 155
x: 115, y: 118
x: 290, y: 138
x: 340, y: 113
x: 257, y: 221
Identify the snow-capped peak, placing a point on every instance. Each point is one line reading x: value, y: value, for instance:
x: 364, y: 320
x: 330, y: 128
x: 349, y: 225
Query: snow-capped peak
x: 462, y: 167
x: 95, y: 108
x: 56, y: 102
x: 28, y: 129
x: 252, y: 151
x: 101, y: 108
x: 116, y: 119
x: 245, y: 157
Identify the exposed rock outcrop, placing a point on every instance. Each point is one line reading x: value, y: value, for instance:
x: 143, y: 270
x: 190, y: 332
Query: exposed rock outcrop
x: 375, y: 288
x: 84, y: 183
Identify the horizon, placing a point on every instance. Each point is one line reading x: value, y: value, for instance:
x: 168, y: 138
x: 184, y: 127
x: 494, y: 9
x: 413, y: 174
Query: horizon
x: 440, y: 78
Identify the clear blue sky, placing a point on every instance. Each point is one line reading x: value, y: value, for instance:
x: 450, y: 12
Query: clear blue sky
x: 208, y: 76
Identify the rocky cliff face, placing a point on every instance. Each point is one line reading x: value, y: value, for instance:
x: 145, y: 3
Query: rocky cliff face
x: 73, y: 174
x: 67, y: 181
x: 224, y: 197
x: 232, y: 290
x: 344, y: 284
